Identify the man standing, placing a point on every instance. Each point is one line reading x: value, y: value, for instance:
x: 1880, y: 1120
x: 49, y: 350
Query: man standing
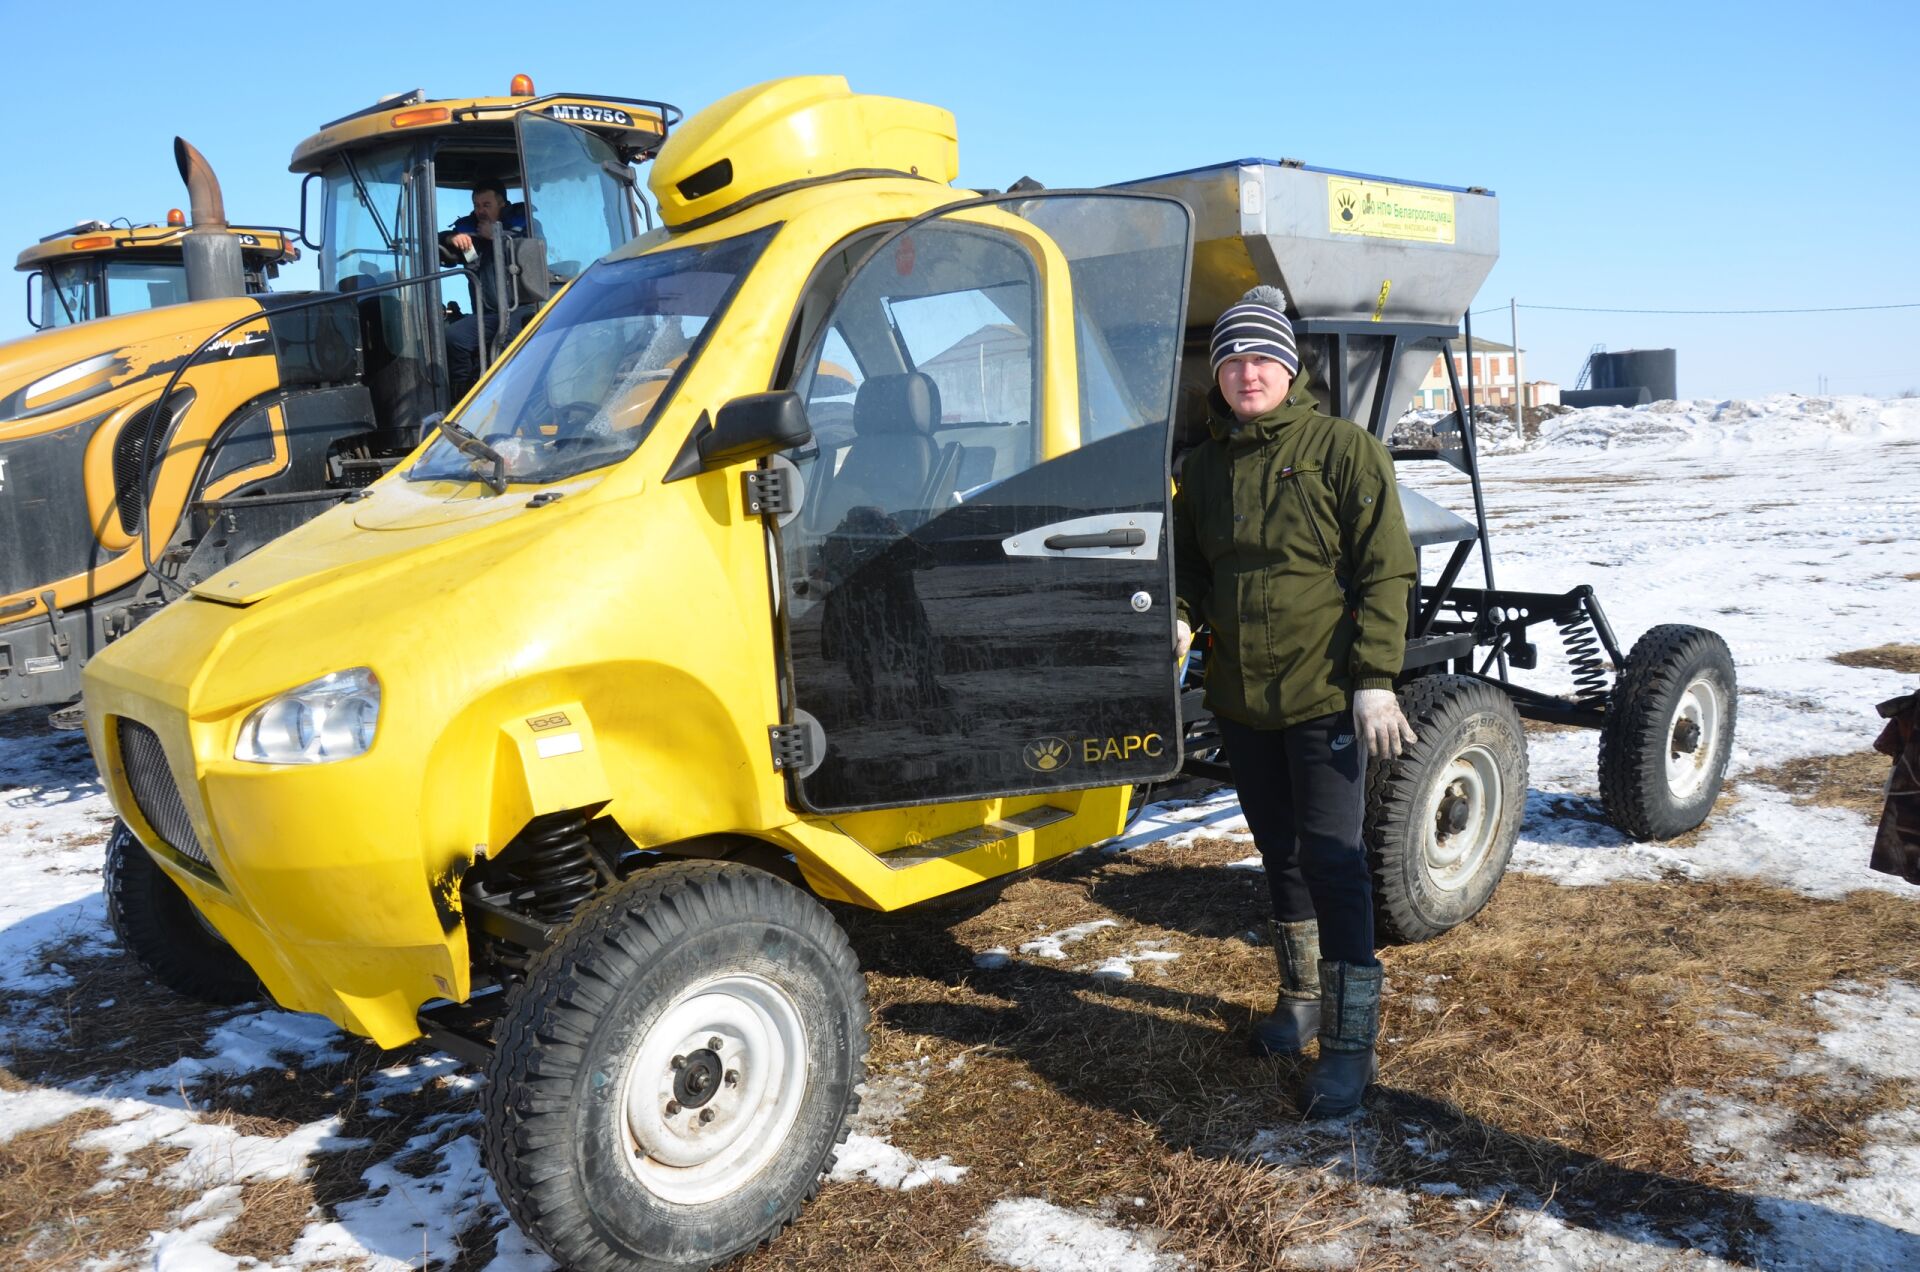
x: 1290, y: 543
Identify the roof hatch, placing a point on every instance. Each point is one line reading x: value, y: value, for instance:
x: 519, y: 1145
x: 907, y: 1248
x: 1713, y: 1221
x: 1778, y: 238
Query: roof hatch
x: 786, y: 133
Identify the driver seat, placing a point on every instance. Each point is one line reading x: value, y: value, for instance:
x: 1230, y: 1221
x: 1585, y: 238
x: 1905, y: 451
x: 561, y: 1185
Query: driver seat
x: 892, y: 455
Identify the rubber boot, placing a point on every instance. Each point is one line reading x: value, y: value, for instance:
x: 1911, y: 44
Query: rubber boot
x: 1350, y: 1024
x: 1296, y: 1016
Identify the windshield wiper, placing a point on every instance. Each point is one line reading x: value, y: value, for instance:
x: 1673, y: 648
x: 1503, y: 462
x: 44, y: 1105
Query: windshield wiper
x: 473, y: 448
x: 366, y: 201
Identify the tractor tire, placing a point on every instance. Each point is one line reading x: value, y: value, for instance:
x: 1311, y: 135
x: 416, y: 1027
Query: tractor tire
x: 1668, y: 732
x: 1441, y: 820
x: 673, y: 1078
x: 161, y: 929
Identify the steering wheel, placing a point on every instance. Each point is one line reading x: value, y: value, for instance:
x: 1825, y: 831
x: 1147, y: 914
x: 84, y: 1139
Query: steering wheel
x: 574, y: 416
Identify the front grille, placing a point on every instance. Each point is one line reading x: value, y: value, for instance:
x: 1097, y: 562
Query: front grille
x: 154, y: 790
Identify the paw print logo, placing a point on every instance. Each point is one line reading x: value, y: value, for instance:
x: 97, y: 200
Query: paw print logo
x: 1346, y: 205
x: 1046, y: 755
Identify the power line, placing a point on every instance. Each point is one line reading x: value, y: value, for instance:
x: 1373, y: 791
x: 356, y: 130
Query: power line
x: 1588, y: 309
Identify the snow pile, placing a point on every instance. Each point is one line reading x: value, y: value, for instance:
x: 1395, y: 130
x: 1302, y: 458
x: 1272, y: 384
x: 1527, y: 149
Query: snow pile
x: 1783, y: 419
x: 1702, y: 425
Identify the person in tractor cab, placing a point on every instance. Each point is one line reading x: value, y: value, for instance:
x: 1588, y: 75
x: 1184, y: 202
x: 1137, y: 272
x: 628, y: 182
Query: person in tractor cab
x: 1289, y: 541
x: 471, y: 240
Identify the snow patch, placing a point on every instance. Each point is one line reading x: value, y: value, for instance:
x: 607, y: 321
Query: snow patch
x: 1053, y: 944
x: 878, y: 1162
x: 1120, y: 966
x: 1037, y: 1236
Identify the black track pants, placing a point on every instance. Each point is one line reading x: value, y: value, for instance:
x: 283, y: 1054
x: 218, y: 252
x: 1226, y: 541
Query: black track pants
x: 1303, y: 790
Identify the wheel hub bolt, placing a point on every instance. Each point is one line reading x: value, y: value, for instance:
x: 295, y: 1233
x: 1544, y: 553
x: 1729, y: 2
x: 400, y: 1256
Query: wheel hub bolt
x: 673, y: 1106
x: 706, y: 1115
x: 733, y: 1077
x: 679, y: 1062
x: 714, y: 1043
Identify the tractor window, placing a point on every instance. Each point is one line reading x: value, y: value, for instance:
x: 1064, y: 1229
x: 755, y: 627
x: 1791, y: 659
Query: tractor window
x: 584, y: 389
x: 575, y: 201
x: 136, y: 285
x: 368, y: 228
x: 67, y: 297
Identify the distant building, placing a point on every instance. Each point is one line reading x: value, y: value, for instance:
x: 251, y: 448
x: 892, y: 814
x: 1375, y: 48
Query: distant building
x: 1493, y: 378
x: 1542, y: 393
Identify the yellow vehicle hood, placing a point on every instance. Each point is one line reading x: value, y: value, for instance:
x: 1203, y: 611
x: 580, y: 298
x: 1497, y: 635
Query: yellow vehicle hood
x: 405, y: 518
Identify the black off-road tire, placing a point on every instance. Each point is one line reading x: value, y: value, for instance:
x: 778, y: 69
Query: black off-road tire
x: 1417, y: 892
x: 1671, y: 673
x: 161, y: 929
x: 623, y: 981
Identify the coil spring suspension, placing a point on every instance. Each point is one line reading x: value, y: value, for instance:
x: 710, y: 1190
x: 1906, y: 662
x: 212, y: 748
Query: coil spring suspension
x: 1592, y: 679
x: 558, y: 870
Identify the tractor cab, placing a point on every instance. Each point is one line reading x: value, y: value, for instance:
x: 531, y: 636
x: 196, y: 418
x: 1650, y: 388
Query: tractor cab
x: 99, y: 268
x: 394, y: 180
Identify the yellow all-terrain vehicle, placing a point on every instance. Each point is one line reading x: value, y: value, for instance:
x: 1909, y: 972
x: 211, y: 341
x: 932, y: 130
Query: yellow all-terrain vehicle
x: 99, y: 268
x: 278, y: 405
x: 812, y: 547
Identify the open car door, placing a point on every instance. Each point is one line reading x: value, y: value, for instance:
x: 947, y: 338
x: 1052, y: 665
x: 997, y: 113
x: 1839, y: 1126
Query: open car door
x: 976, y: 592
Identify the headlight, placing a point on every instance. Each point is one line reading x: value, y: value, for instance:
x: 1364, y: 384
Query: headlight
x: 332, y: 718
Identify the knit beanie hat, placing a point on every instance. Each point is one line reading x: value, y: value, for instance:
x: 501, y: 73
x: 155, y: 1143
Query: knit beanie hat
x: 1258, y: 324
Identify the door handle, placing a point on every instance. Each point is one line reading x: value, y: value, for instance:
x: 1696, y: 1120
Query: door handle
x: 1125, y: 538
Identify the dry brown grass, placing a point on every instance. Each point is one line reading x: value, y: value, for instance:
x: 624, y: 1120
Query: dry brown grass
x: 1901, y: 658
x: 50, y: 1217
x: 1856, y: 780
x: 1559, y: 1020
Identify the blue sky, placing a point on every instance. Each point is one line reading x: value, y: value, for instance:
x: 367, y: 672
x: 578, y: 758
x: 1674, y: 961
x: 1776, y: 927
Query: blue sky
x: 1666, y: 156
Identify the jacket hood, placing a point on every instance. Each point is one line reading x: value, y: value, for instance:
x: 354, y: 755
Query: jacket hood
x: 1300, y: 402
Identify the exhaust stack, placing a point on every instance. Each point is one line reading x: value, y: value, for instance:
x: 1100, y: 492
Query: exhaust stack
x: 214, y: 267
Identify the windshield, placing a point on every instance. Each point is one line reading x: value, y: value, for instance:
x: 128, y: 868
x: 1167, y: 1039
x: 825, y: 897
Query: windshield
x: 133, y: 285
x: 66, y: 295
x: 584, y: 389
x: 367, y: 221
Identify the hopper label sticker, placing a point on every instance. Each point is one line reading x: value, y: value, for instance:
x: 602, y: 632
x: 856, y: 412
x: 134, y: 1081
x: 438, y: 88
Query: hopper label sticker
x: 1376, y: 209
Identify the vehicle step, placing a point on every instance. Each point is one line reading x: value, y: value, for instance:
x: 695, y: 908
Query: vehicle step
x: 959, y: 841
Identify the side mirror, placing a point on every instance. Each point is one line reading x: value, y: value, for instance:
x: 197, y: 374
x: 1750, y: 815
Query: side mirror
x: 754, y: 425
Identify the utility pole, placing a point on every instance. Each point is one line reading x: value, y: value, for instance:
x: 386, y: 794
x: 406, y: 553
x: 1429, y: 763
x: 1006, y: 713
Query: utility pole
x: 1519, y: 389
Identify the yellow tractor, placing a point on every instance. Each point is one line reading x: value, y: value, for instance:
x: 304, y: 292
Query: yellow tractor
x: 810, y: 548
x: 99, y: 268
x: 277, y: 405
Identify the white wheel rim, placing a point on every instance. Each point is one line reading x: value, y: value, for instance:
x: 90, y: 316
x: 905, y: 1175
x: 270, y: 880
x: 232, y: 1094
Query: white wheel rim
x: 1462, y: 818
x: 698, y: 1129
x: 1693, y: 738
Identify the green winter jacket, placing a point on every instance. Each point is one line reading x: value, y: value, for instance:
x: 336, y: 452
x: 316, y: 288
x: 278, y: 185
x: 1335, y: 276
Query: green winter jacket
x: 1290, y: 544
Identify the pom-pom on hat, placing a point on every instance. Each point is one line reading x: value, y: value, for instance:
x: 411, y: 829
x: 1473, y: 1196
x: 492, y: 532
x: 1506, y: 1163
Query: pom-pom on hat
x: 1257, y: 324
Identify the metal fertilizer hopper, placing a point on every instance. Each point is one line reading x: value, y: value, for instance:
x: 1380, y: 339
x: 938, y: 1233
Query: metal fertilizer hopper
x: 1378, y: 276
x: 1375, y: 270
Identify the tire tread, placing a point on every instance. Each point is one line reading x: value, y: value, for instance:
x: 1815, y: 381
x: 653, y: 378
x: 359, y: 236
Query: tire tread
x: 1431, y: 704
x: 155, y: 923
x: 525, y: 1137
x: 1633, y: 789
